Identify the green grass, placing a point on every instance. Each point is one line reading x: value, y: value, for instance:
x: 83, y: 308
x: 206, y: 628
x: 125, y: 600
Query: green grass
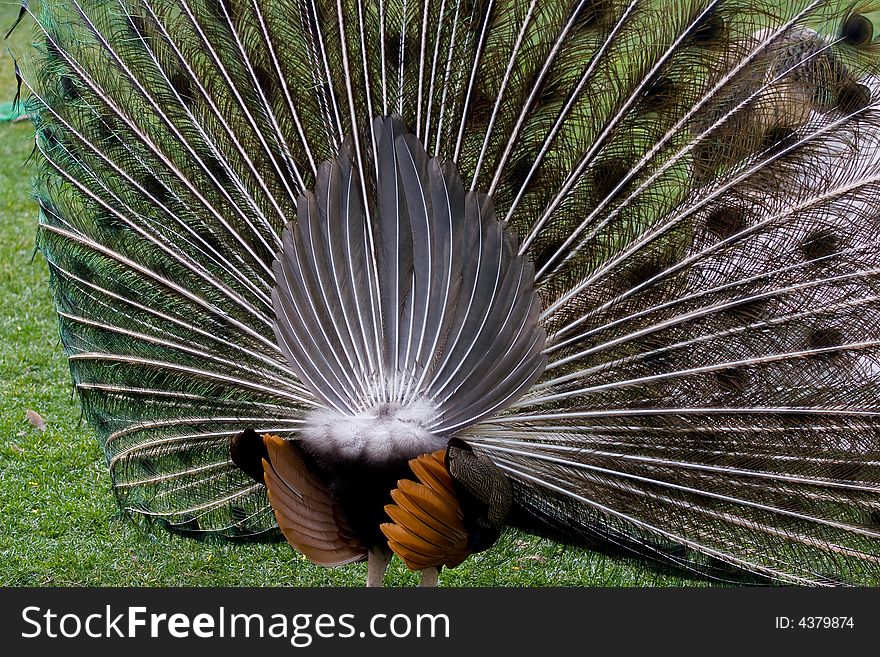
x: 60, y: 525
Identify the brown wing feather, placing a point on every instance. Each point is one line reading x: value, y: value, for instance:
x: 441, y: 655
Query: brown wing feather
x: 306, y: 513
x: 427, y: 530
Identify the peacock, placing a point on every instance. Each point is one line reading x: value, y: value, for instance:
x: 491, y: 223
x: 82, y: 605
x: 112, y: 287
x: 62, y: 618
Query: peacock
x: 392, y: 276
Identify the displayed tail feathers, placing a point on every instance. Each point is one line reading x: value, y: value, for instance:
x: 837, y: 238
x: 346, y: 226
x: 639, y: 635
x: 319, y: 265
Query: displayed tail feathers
x: 244, y: 207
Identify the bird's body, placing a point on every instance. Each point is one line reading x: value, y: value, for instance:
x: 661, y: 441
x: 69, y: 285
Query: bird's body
x: 395, y: 275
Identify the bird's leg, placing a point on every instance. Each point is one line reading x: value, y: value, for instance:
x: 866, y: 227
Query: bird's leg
x: 377, y: 563
x: 429, y: 576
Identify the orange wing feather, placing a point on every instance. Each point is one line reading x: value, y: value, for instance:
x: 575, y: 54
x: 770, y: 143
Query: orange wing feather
x: 427, y: 530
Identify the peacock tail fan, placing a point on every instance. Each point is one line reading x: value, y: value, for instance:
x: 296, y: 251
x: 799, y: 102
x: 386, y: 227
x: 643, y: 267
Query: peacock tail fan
x: 687, y: 190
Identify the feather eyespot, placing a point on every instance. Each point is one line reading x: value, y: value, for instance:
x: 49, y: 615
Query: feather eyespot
x: 587, y: 14
x: 607, y: 176
x: 824, y: 338
x: 709, y: 30
x: 659, y: 94
x: 857, y: 30
x: 182, y: 85
x: 68, y: 87
x: 819, y: 244
x: 732, y: 379
x: 726, y: 221
x: 853, y: 97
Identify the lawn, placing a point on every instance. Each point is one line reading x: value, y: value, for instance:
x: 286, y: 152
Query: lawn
x: 60, y: 524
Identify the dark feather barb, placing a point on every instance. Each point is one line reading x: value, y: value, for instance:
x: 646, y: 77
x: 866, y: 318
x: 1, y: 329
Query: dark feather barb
x: 22, y: 12
x: 626, y: 250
